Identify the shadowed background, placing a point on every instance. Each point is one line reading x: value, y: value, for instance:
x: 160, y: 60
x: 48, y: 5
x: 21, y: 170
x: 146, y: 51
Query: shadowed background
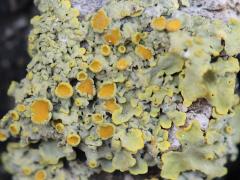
x: 15, y: 25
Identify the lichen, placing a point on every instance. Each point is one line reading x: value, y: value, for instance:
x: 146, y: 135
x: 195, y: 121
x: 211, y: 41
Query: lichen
x: 116, y: 90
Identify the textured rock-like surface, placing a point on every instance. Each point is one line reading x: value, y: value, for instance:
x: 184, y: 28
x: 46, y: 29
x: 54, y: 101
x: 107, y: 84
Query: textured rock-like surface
x: 215, y: 9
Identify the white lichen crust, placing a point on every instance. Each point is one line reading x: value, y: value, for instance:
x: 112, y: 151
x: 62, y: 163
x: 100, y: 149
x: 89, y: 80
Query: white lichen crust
x: 124, y: 85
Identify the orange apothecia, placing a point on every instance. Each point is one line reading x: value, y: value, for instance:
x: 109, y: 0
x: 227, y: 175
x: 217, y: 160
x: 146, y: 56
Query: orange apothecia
x: 41, y: 111
x: 122, y: 64
x: 107, y: 90
x: 105, y: 50
x: 82, y: 76
x: 97, y: 118
x: 73, y: 139
x: 136, y: 37
x: 96, y: 66
x: 64, y: 90
x: 159, y: 23
x: 173, y: 25
x: 111, y: 105
x: 86, y: 87
x: 40, y: 175
x: 14, y: 115
x: 3, y: 136
x: 143, y: 52
x: 113, y: 37
x: 100, y: 21
x: 105, y: 131
x: 14, y: 129
x: 121, y: 49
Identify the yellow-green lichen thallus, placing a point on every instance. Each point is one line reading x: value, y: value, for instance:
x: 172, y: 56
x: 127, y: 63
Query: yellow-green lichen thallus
x: 117, y: 90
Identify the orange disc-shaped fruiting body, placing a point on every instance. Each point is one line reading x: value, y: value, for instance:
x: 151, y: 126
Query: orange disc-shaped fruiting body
x: 86, y: 87
x: 3, y: 136
x: 111, y: 105
x: 100, y: 21
x: 82, y: 76
x: 107, y: 90
x: 122, y: 49
x: 64, y: 90
x: 136, y: 37
x: 95, y: 66
x: 73, y: 139
x: 14, y: 115
x: 122, y: 64
x: 21, y: 107
x: 14, y: 129
x: 40, y: 175
x: 59, y: 127
x: 106, y: 130
x: 97, y: 118
x: 173, y: 25
x: 41, y: 111
x: 143, y: 52
x: 105, y: 50
x: 113, y: 37
x: 159, y: 23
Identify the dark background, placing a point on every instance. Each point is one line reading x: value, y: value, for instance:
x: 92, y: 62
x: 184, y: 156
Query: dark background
x: 15, y: 25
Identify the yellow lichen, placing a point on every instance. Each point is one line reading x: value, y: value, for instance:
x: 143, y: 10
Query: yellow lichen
x: 107, y: 90
x: 27, y: 171
x: 122, y: 64
x: 136, y: 37
x: 14, y: 115
x: 123, y: 160
x: 59, y: 127
x: 66, y: 4
x: 78, y: 102
x: 96, y: 66
x: 64, y: 90
x: 73, y: 140
x: 14, y: 129
x: 97, y: 118
x: 86, y: 87
x: 177, y: 117
x: 159, y: 23
x: 122, y: 49
x: 72, y: 63
x: 111, y: 105
x: 143, y: 52
x: 75, y: 12
x: 29, y: 75
x: 100, y: 21
x: 164, y: 146
x: 133, y: 140
x: 3, y: 136
x: 40, y: 111
x: 106, y: 130
x: 173, y: 25
x: 40, y: 175
x: 141, y: 167
x: 92, y: 164
x: 105, y: 50
x: 82, y: 51
x: 82, y: 76
x: 21, y: 107
x: 228, y: 129
x: 113, y: 37
x: 74, y: 22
